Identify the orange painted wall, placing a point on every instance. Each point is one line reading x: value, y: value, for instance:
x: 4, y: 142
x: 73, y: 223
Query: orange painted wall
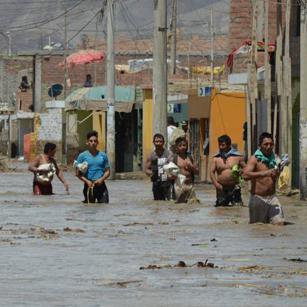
x: 227, y: 116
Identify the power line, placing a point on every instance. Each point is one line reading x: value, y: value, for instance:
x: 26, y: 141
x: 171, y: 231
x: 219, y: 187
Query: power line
x: 48, y: 20
x: 129, y: 19
x: 83, y: 27
x: 8, y: 2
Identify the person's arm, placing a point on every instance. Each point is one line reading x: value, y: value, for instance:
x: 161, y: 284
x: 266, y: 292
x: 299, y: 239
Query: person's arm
x: 148, y: 170
x: 193, y: 166
x: 170, y: 157
x: 106, y: 167
x: 34, y: 165
x: 249, y: 172
x: 242, y: 164
x: 80, y: 175
x: 213, y: 177
x: 105, y: 176
x: 60, y: 175
x: 83, y: 178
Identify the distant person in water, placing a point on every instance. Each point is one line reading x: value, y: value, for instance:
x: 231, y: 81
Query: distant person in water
x: 226, y: 168
x: 161, y: 184
x: 93, y: 169
x: 44, y: 168
x: 263, y: 171
x: 184, y: 182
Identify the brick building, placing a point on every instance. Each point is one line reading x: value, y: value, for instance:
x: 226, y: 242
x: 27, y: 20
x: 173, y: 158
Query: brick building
x: 241, y: 18
x: 43, y: 69
x: 240, y: 29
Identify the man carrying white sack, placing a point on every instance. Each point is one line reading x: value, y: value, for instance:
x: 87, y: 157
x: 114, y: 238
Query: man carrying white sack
x: 93, y: 169
x: 159, y: 157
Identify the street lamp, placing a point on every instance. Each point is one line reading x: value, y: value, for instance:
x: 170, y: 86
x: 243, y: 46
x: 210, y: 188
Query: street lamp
x: 8, y: 37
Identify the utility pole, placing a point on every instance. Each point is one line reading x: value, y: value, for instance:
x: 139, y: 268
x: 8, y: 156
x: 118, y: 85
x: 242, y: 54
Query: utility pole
x: 212, y: 48
x: 173, y: 37
x: 279, y: 68
x: 64, y: 119
x: 252, y: 78
x: 287, y: 91
x: 9, y: 143
x: 160, y: 68
x: 10, y: 43
x: 267, y: 81
x: 303, y: 98
x: 65, y: 54
x: 110, y: 88
x: 189, y: 64
x: 8, y: 37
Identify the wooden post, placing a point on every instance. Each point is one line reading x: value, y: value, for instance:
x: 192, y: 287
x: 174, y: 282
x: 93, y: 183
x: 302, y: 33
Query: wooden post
x: 9, y: 143
x: 253, y: 86
x: 287, y: 85
x: 278, y: 79
x: 303, y: 107
x: 267, y: 83
x: 212, y: 48
x: 110, y: 89
x: 248, y: 117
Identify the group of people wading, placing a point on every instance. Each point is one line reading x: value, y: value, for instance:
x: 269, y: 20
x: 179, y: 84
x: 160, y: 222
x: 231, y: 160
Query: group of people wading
x: 172, y: 174
x: 92, y: 168
x: 228, y: 171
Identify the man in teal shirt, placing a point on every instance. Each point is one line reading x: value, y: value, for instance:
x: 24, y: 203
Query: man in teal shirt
x: 98, y: 170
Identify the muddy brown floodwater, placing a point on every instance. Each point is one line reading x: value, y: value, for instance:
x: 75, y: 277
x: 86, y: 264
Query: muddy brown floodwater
x: 56, y: 251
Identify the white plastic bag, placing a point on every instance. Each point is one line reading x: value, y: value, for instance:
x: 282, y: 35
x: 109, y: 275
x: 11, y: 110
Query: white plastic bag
x: 46, y: 176
x: 171, y: 169
x: 82, y: 167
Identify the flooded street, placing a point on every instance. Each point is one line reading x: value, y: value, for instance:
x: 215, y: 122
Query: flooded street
x: 56, y: 251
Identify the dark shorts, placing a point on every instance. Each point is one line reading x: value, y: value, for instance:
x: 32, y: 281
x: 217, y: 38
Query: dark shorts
x: 230, y: 196
x: 99, y: 193
x: 265, y: 210
x: 161, y: 190
x: 42, y: 189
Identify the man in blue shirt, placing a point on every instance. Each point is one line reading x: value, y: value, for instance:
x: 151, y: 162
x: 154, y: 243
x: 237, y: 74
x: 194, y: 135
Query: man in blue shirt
x: 98, y: 170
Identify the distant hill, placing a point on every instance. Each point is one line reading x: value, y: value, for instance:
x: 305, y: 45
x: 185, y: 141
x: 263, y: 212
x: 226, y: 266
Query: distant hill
x: 33, y: 24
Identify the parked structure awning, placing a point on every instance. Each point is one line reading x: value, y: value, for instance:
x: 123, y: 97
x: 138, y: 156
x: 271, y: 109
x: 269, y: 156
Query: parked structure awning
x: 94, y: 98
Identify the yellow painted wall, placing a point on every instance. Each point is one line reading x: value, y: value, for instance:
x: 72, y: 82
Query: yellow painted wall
x: 147, y: 125
x: 227, y: 116
x: 99, y: 124
x: 85, y: 124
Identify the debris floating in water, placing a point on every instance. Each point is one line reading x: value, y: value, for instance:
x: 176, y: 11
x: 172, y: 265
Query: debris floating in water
x: 180, y: 264
x: 296, y: 259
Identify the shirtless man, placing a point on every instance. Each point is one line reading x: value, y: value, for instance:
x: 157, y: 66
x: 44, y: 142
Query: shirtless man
x: 40, y: 187
x: 184, y: 191
x: 225, y: 172
x: 261, y: 169
x: 161, y: 184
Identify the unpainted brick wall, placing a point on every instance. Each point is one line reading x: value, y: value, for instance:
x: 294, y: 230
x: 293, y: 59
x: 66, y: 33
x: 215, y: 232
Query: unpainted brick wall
x: 240, y: 28
x: 10, y: 78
